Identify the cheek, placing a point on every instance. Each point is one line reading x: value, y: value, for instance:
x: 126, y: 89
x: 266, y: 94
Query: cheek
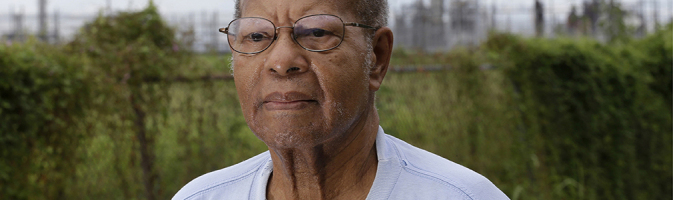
x: 345, y: 84
x: 245, y: 79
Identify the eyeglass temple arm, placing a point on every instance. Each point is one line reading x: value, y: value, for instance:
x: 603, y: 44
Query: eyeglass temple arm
x: 226, y: 31
x: 360, y: 25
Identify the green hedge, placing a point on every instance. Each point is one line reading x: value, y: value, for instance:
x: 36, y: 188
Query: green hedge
x: 43, y: 95
x: 602, y: 113
x: 52, y: 99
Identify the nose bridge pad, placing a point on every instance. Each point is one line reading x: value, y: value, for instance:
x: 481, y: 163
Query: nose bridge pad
x: 276, y: 37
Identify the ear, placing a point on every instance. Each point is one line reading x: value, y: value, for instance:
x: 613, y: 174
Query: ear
x: 383, y: 49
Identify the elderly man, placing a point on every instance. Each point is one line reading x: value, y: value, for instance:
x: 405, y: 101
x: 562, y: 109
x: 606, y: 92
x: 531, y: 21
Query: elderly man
x: 306, y: 73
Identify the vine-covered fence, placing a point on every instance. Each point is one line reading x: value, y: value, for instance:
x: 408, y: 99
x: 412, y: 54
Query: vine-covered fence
x: 124, y: 112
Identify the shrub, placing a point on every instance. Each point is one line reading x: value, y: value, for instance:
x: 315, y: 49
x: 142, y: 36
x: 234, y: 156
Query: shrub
x: 603, y: 112
x: 43, y: 94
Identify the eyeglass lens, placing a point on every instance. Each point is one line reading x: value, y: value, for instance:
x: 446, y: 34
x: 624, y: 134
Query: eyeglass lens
x: 314, y: 33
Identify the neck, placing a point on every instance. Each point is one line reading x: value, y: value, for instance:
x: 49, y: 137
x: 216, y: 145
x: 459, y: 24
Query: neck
x: 340, y: 169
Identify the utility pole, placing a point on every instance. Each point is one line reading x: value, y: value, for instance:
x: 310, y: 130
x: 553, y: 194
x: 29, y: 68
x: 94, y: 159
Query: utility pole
x: 476, y: 30
x: 612, y: 23
x: 493, y: 15
x: 57, y: 31
x: 11, y: 15
x: 192, y: 26
x: 17, y: 19
x: 655, y: 13
x: 201, y: 35
x: 642, y: 18
x: 436, y: 27
x: 42, y: 30
x: 670, y: 11
x: 539, y: 18
x: 552, y: 12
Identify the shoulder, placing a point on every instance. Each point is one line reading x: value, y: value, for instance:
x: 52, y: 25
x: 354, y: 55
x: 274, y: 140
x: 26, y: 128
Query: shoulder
x: 439, y: 176
x: 233, y: 180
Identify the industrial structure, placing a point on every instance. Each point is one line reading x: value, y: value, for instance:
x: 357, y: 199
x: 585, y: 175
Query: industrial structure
x: 436, y: 27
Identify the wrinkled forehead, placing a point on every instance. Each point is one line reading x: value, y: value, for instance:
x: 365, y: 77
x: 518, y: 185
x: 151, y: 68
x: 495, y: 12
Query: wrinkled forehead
x: 287, y: 11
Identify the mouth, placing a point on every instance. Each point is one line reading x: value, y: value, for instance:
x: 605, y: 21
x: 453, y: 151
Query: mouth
x: 287, y: 101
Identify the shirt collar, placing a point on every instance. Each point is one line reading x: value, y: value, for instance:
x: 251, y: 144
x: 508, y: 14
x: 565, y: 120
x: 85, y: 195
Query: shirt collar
x: 383, y: 152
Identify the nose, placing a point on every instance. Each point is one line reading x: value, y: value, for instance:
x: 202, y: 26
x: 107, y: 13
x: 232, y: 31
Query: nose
x: 286, y: 57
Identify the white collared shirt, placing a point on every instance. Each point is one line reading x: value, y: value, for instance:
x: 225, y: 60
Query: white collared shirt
x: 403, y: 172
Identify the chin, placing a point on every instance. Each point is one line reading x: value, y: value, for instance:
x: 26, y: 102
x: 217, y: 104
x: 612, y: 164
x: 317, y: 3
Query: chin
x: 290, y: 132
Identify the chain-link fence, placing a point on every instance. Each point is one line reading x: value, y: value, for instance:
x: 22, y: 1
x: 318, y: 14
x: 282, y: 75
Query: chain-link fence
x: 430, y: 25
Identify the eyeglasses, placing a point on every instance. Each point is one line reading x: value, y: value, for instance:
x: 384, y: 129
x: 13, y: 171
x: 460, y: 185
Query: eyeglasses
x: 316, y: 33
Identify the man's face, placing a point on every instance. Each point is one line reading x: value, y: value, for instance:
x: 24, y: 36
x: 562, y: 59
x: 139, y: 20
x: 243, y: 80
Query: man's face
x: 292, y: 97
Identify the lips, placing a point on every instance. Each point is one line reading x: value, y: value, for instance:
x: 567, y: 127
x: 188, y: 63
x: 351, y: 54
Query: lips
x: 287, y: 101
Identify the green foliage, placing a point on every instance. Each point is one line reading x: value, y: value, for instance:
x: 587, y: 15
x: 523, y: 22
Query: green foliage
x: 56, y: 98
x: 137, y: 55
x: 656, y: 58
x: 43, y: 94
x: 558, y: 119
x: 614, y: 25
x: 602, y: 112
x: 131, y: 47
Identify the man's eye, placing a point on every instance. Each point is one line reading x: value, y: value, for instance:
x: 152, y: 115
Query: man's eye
x: 313, y: 32
x: 257, y: 37
x: 318, y: 32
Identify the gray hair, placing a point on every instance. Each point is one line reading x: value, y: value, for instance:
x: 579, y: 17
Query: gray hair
x: 371, y: 12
